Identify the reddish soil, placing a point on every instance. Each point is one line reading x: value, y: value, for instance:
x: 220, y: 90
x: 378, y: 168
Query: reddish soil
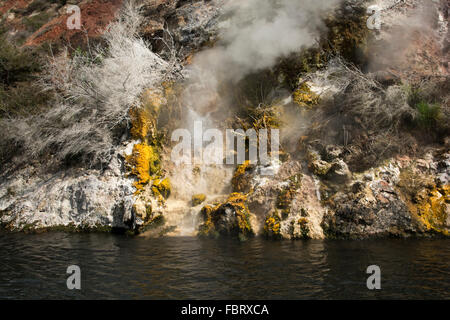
x: 95, y: 17
x: 10, y: 4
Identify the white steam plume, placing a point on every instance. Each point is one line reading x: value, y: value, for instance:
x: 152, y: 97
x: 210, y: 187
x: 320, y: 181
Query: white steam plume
x: 255, y: 36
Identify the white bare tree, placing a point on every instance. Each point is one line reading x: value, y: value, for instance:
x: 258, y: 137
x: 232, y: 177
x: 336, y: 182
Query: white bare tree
x: 95, y: 91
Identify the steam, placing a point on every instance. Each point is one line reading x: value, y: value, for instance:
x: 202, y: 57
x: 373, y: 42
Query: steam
x: 253, y: 35
x: 256, y: 34
x: 261, y: 31
x: 403, y: 34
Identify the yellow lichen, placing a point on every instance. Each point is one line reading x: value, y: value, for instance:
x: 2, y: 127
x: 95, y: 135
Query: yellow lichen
x: 143, y: 162
x: 237, y: 200
x: 431, y: 208
x: 212, y: 215
x: 284, y: 200
x: 143, y: 118
x: 272, y: 226
x: 207, y: 228
x: 152, y: 100
x: 304, y: 229
x: 304, y: 97
x: 266, y: 119
x: 198, y: 199
x: 239, y: 181
x: 426, y: 201
x: 141, y: 123
x: 162, y: 187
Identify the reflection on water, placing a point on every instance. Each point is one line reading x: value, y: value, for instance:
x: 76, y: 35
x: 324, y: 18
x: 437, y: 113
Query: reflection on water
x: 34, y: 266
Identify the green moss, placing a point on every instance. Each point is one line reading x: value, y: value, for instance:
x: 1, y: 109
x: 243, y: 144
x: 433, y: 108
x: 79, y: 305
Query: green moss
x: 300, y: 63
x: 347, y: 36
x: 430, y: 109
x: 255, y: 106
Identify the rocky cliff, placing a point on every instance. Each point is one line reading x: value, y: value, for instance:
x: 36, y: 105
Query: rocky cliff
x: 363, y: 115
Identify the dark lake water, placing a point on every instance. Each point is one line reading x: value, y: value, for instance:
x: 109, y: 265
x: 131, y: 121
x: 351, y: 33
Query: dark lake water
x: 113, y: 267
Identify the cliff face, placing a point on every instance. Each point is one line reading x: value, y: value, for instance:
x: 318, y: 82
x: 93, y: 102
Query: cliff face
x: 38, y: 194
x: 34, y: 23
x: 363, y: 116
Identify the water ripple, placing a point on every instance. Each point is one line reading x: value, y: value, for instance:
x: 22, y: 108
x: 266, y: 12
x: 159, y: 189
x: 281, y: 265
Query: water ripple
x: 34, y: 267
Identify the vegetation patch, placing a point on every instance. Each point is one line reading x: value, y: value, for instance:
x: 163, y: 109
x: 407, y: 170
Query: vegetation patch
x: 198, y: 199
x: 153, y: 223
x: 304, y: 97
x: 240, y: 180
x: 429, y: 114
x: 207, y: 228
x: 162, y: 187
x: 36, y: 21
x: 143, y: 162
x: 426, y: 201
x: 284, y: 200
x: 231, y: 218
x: 19, y: 94
x: 272, y: 226
x: 431, y: 208
x: 304, y: 229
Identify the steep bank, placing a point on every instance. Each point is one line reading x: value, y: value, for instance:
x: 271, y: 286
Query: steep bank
x: 363, y: 154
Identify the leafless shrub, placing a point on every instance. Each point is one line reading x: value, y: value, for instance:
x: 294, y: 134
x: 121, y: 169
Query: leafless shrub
x: 366, y: 118
x: 95, y: 91
x: 362, y: 97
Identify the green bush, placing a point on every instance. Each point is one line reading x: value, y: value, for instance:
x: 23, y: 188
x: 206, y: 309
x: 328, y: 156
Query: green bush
x: 428, y: 114
x: 21, y: 100
x: 20, y: 95
x: 16, y: 65
x: 428, y: 110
